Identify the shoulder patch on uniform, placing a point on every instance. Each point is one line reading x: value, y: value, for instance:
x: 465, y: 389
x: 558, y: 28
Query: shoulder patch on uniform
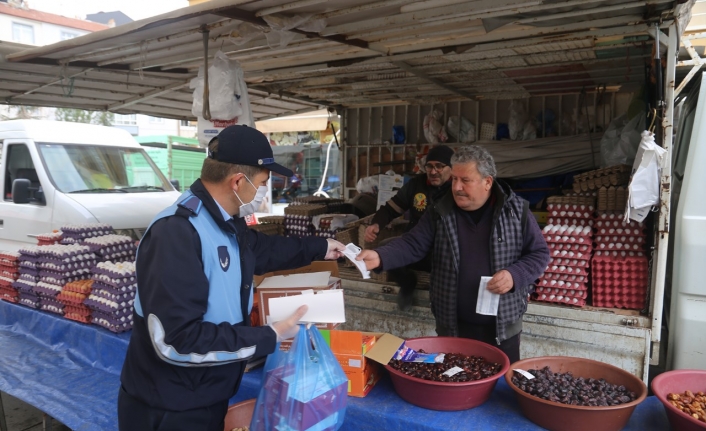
x: 192, y: 203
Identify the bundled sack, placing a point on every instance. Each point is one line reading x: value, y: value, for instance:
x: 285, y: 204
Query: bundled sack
x: 434, y: 129
x: 303, y: 388
x: 467, y: 129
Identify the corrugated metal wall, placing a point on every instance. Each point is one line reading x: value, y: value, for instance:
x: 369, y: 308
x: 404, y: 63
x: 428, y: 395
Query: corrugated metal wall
x: 368, y: 131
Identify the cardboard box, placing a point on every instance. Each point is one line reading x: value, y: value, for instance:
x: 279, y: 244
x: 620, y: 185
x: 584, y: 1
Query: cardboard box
x: 279, y: 286
x: 349, y: 348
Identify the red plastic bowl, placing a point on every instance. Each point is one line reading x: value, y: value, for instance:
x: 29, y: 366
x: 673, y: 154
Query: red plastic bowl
x: 239, y: 415
x: 562, y: 417
x: 677, y: 382
x: 444, y: 395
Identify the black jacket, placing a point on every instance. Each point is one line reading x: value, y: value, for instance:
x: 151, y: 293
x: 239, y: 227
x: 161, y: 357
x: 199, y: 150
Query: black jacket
x: 172, y: 284
x: 416, y: 196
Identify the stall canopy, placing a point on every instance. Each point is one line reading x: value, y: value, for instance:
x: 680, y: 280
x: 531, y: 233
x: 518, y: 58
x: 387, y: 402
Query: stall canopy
x: 308, y: 122
x: 302, y: 55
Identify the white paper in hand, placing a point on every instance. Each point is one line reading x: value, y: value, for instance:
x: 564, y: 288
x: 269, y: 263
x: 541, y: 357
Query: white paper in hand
x: 351, y: 252
x: 487, y: 301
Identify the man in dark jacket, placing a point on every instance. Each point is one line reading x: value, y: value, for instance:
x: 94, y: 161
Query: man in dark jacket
x: 418, y: 194
x: 480, y: 230
x: 195, y: 265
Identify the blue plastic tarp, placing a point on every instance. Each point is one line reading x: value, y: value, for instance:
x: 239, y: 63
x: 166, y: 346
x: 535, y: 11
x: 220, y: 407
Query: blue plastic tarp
x: 71, y: 371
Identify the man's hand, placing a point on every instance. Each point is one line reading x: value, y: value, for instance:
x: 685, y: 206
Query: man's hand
x: 335, y: 249
x: 371, y: 232
x: 501, y: 282
x: 371, y: 259
x: 288, y: 328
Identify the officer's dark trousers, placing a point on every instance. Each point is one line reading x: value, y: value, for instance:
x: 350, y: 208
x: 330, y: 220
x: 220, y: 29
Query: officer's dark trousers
x: 134, y: 415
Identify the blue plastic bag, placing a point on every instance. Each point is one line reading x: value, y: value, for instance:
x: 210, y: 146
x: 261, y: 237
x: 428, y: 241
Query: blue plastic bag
x: 303, y: 389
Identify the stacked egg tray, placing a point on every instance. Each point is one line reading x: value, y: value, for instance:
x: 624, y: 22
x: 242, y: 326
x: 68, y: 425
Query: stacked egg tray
x: 268, y: 229
x: 565, y: 280
x: 619, y: 268
x: 113, y: 295
x: 49, y: 238
x: 333, y: 205
x: 9, y: 272
x: 324, y: 229
x: 612, y: 198
x: 72, y: 296
x: 298, y: 219
x: 77, y: 233
x: 28, y: 278
x: 112, y: 248
x: 606, y: 177
x: 59, y: 265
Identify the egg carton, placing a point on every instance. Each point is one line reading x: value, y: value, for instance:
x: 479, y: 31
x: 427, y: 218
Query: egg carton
x: 68, y: 297
x: 51, y: 308
x: 122, y: 297
x: 619, y: 247
x: 63, y: 267
x: 570, y: 222
x: 306, y: 210
x: 568, y: 212
x: 78, y: 309
x: 80, y: 286
x: 588, y: 201
x: 6, y: 281
x: 576, y: 248
x: 9, y: 292
x: 570, y: 254
x: 29, y: 252
x: 567, y: 261
x: 28, y: 302
x: 608, y: 221
x: 105, y: 305
x: 47, y: 289
x: 68, y: 276
x: 556, y: 274
x: 10, y: 274
x: 622, y: 253
x: 570, y: 289
x: 62, y: 252
x: 113, y: 289
x: 624, y: 231
x: 114, y: 280
x: 575, y: 302
x: 109, y: 325
x: 576, y: 282
x: 33, y: 272
x: 86, y: 230
x: 620, y: 239
x: 78, y: 317
x: 561, y: 293
x: 9, y: 256
x: 28, y: 264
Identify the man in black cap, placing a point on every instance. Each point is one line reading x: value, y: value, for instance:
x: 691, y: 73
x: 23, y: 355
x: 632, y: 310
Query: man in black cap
x: 418, y: 194
x: 195, y: 265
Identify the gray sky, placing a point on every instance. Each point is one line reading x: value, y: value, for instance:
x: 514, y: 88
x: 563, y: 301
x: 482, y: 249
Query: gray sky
x: 135, y: 9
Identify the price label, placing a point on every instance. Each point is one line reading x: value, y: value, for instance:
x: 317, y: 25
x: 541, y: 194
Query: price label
x: 453, y: 371
x: 527, y: 375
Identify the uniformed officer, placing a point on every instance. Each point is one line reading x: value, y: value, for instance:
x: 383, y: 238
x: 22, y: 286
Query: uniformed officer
x: 195, y: 266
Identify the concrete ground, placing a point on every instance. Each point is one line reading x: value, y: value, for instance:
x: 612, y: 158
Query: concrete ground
x: 20, y: 416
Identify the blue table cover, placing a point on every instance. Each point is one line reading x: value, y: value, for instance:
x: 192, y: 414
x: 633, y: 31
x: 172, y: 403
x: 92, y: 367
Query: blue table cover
x: 71, y: 371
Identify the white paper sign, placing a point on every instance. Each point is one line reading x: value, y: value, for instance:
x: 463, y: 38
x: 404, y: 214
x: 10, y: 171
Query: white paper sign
x: 453, y: 371
x: 351, y: 252
x: 326, y: 306
x: 384, y: 196
x: 389, y: 182
x: 487, y: 301
x: 527, y: 375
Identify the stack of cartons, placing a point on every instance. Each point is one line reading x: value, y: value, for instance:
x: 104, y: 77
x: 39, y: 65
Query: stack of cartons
x: 349, y: 348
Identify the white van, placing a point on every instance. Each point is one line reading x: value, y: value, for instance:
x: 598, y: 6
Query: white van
x: 56, y: 173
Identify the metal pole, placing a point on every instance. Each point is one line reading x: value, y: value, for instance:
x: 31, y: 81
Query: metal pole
x: 3, y: 424
x: 660, y: 268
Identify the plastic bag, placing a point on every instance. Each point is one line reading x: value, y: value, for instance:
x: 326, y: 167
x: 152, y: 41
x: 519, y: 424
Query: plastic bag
x: 518, y: 118
x: 434, y: 129
x: 643, y: 191
x: 468, y: 130
x: 620, y: 141
x: 303, y: 388
x: 368, y: 184
x: 222, y: 77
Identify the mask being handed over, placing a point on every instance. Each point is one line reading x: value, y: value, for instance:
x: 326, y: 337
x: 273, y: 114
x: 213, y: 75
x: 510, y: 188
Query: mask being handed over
x: 251, y: 207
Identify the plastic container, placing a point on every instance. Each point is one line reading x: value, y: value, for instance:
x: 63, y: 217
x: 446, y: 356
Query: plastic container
x: 445, y: 395
x: 561, y: 417
x: 239, y: 415
x: 679, y: 381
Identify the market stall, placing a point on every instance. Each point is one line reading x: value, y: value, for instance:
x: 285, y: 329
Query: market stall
x: 72, y: 371
x: 402, y: 76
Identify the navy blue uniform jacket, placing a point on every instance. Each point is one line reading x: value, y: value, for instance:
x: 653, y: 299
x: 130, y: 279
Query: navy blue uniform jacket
x: 172, y: 284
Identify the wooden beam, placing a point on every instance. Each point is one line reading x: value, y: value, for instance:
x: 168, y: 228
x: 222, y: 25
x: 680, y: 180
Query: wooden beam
x: 149, y: 95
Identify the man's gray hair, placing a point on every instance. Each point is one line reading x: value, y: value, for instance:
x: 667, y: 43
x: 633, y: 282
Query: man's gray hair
x: 478, y: 155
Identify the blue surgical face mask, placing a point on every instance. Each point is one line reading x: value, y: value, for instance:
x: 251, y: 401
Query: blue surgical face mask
x: 251, y: 207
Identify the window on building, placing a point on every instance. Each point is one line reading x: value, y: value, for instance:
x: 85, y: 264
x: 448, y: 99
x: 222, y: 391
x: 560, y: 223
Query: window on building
x: 125, y: 120
x: 186, y: 123
x: 66, y: 35
x: 22, y: 33
x: 156, y: 120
